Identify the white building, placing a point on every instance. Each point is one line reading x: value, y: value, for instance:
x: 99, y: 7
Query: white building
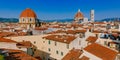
x: 10, y: 44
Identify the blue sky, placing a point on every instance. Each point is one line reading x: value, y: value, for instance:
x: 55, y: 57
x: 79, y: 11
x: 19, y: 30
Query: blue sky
x: 60, y: 9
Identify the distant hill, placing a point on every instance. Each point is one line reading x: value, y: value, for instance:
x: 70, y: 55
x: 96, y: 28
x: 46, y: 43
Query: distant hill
x: 13, y: 20
x: 111, y: 19
x: 59, y: 20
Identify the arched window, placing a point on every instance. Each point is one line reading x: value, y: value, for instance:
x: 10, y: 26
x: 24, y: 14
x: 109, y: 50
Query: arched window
x: 23, y: 19
x: 30, y: 19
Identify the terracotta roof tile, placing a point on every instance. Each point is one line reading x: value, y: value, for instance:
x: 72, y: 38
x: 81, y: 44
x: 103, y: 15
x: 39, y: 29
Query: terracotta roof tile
x: 70, y: 32
x: 7, y: 40
x: 20, y: 54
x: 60, y: 38
x: 58, y: 31
x: 72, y: 55
x: 4, y: 34
x: 101, y: 51
x: 79, y: 15
x: 28, y: 13
x: 84, y: 58
x: 41, y: 28
x: 24, y: 44
x: 80, y: 31
x: 91, y: 39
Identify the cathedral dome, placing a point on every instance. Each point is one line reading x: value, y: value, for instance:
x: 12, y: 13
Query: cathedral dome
x: 79, y: 15
x: 28, y: 13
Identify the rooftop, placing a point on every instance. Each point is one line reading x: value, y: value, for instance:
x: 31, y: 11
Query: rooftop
x: 7, y: 40
x: 28, y: 13
x: 84, y: 58
x: 60, y: 38
x: 91, y: 39
x: 18, y: 54
x: 73, y: 55
x: 24, y: 44
x: 101, y: 51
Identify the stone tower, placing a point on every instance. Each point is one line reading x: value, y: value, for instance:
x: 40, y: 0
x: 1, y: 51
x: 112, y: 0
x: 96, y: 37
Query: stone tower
x: 92, y: 15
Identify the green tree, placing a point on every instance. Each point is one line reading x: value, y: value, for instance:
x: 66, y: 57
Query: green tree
x: 1, y: 57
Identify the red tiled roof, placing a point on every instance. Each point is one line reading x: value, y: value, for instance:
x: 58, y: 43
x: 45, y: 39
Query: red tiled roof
x: 70, y: 32
x: 60, y: 38
x: 72, y: 55
x: 7, y: 40
x: 56, y: 27
x: 84, y: 58
x: 20, y: 54
x: 79, y: 15
x: 4, y: 34
x: 91, y: 39
x: 58, y: 31
x: 41, y: 28
x: 28, y: 13
x: 24, y: 44
x: 80, y: 31
x: 100, y: 51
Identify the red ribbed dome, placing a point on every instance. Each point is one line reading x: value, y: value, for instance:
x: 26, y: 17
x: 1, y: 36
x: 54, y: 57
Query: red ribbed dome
x: 79, y: 15
x: 28, y: 13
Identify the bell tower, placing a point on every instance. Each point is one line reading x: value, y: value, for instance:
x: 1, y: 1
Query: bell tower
x: 92, y: 15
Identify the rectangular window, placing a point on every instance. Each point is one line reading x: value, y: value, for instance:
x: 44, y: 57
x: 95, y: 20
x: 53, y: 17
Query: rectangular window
x: 49, y: 49
x: 105, y: 42
x: 61, y: 53
x: 49, y: 42
x: 30, y: 19
x: 43, y: 41
x: 23, y: 19
x: 55, y: 43
x: 67, y: 46
x: 56, y: 52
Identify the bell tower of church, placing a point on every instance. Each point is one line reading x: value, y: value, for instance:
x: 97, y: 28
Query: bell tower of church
x: 92, y: 15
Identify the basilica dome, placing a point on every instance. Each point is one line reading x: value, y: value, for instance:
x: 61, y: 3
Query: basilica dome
x: 28, y: 13
x: 79, y: 15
